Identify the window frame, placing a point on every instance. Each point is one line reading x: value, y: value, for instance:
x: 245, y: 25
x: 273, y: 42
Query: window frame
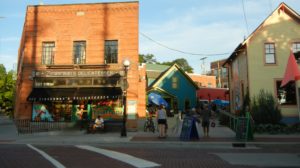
x: 111, y: 57
x: 175, y: 82
x: 269, y: 53
x: 277, y: 89
x: 297, y: 44
x: 82, y: 54
x: 50, y: 50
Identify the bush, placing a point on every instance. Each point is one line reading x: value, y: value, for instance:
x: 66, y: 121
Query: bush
x: 277, y: 129
x: 264, y: 109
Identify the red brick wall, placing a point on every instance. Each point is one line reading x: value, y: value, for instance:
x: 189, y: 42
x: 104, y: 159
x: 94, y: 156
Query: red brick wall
x: 204, y: 80
x: 64, y: 24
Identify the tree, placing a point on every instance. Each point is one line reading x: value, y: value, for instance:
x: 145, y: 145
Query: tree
x: 7, y: 89
x: 182, y: 63
x: 148, y: 58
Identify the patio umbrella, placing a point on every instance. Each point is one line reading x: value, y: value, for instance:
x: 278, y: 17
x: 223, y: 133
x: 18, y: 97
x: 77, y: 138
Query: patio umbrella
x: 157, y: 99
x: 220, y: 102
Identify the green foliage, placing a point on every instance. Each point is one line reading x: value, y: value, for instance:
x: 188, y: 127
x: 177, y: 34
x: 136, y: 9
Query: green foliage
x: 148, y: 58
x: 277, y: 128
x: 182, y: 63
x: 7, y: 89
x: 246, y: 105
x: 264, y: 109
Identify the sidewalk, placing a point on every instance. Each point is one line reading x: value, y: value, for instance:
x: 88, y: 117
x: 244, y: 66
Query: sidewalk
x: 218, y: 135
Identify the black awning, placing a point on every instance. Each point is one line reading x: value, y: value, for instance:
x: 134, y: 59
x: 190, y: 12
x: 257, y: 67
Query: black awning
x: 58, y: 94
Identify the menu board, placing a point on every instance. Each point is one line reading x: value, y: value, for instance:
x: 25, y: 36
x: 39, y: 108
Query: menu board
x: 186, y: 128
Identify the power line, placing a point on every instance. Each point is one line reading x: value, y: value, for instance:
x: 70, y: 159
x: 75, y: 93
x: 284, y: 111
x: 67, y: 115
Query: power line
x: 245, y: 18
x: 180, y: 51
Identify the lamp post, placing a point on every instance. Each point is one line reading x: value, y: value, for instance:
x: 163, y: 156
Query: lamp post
x: 126, y: 64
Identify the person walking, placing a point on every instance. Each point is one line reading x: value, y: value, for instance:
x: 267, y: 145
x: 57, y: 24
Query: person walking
x: 206, y: 114
x: 161, y: 117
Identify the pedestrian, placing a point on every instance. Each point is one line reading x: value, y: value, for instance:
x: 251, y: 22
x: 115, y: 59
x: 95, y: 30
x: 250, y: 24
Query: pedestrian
x: 82, y: 115
x: 206, y: 114
x: 161, y: 117
x: 99, y: 123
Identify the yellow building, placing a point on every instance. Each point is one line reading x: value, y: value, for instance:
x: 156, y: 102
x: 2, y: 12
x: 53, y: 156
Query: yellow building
x: 259, y: 62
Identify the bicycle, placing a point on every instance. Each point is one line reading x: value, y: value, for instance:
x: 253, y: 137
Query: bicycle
x: 149, y: 125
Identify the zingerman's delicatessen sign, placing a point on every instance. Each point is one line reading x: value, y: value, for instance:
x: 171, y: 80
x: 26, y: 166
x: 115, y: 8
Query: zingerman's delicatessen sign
x: 58, y: 94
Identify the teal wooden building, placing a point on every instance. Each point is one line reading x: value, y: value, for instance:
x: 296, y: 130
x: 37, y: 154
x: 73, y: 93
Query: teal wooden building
x: 173, y: 84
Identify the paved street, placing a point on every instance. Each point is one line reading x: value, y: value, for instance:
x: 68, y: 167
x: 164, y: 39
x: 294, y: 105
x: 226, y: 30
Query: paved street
x: 169, y: 156
x: 75, y: 148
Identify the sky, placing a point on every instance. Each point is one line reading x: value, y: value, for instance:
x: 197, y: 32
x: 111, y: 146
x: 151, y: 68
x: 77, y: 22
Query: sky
x: 202, y: 27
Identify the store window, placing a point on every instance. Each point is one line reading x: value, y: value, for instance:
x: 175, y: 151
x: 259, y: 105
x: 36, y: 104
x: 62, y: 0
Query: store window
x: 286, y: 95
x: 270, y: 53
x: 48, y: 53
x: 111, y: 51
x: 79, y: 55
x: 174, y: 82
x: 296, y: 51
x: 52, y: 111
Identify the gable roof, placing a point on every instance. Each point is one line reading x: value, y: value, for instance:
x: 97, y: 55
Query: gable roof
x: 165, y: 74
x: 282, y: 7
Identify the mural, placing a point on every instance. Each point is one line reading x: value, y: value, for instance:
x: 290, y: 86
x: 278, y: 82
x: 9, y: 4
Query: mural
x: 40, y: 113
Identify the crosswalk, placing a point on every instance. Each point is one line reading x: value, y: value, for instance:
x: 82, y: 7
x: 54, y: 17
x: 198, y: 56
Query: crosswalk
x: 125, y: 158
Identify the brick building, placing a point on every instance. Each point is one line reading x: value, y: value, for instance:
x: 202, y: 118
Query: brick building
x: 71, y: 57
x: 203, y: 80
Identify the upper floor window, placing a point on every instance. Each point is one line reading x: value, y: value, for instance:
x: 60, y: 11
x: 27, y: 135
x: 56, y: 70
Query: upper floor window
x: 48, y: 53
x: 270, y: 53
x: 174, y: 82
x: 79, y: 52
x: 111, y: 51
x: 224, y: 72
x: 296, y: 51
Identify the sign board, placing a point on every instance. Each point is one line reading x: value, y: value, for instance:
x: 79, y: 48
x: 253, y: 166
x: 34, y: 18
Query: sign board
x: 189, y: 129
x: 77, y: 73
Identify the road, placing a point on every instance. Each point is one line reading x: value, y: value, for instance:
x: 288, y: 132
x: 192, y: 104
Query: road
x: 148, y: 155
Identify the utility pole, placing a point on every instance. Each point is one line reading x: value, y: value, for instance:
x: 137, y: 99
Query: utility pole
x: 203, y: 65
x: 219, y: 75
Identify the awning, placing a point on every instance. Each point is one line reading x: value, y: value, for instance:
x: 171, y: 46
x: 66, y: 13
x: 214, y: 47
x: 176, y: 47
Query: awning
x: 292, y: 72
x: 60, y: 94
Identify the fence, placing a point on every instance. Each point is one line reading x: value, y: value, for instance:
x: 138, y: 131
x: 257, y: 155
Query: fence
x: 26, y: 126
x: 242, y: 126
x: 231, y: 119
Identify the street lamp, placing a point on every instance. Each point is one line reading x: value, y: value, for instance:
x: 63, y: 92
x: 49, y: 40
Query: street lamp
x: 126, y: 64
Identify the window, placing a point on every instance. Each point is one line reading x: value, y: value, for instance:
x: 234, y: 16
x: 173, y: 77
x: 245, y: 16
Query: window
x: 287, y: 94
x: 111, y: 51
x: 174, y: 82
x: 79, y: 52
x: 270, y: 53
x: 224, y: 72
x: 296, y: 51
x: 209, y: 85
x: 48, y: 53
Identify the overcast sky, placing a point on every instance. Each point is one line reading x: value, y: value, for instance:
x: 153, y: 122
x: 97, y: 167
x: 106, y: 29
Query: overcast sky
x: 202, y: 27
